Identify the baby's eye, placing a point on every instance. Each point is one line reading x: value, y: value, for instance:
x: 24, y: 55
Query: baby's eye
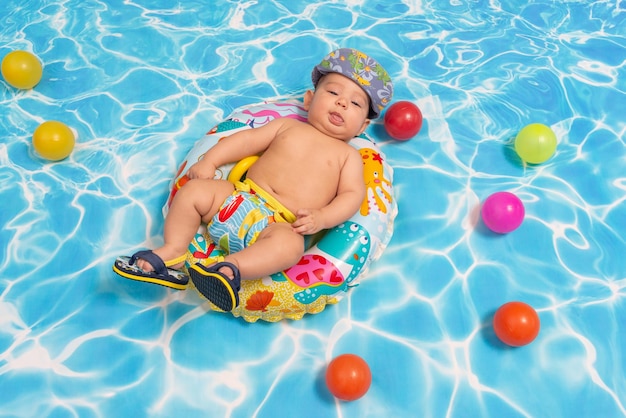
x: 333, y: 92
x: 357, y: 104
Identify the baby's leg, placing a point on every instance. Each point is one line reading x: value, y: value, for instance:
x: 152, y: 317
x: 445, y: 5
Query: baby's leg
x: 277, y: 248
x: 197, y: 201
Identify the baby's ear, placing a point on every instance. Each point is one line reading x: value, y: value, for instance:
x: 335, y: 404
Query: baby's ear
x: 366, y: 123
x: 308, y: 96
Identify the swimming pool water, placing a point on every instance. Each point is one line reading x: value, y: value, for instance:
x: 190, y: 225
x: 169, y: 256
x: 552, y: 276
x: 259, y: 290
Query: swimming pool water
x: 141, y: 81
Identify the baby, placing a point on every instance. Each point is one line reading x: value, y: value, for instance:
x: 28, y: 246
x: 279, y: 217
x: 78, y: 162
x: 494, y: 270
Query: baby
x: 307, y: 179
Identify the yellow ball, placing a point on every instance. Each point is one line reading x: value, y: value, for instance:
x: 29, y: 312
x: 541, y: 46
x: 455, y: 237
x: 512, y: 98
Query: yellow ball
x: 53, y: 140
x: 21, y: 69
x: 535, y: 143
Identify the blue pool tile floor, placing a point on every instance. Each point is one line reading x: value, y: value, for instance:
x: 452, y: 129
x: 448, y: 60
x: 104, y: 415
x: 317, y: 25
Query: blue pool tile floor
x: 141, y: 80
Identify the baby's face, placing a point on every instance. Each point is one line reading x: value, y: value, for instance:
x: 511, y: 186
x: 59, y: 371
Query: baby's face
x: 338, y: 107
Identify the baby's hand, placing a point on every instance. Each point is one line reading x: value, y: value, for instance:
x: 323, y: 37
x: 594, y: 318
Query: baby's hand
x: 201, y: 170
x: 308, y: 221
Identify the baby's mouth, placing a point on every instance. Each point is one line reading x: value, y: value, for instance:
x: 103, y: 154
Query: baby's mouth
x: 336, y: 118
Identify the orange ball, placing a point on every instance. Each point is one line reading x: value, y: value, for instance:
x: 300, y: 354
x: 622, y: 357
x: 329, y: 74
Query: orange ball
x: 516, y: 324
x: 348, y: 377
x: 21, y: 69
x: 53, y: 140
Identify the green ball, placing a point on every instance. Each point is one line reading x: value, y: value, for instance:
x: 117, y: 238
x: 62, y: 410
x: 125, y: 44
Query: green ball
x: 535, y: 143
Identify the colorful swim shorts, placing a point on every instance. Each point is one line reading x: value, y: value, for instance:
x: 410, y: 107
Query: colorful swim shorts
x: 243, y: 216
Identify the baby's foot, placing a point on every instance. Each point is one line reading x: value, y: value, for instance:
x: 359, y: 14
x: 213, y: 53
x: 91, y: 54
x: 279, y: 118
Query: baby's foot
x: 168, y: 257
x: 159, y: 273
x: 228, y: 271
x: 219, y: 283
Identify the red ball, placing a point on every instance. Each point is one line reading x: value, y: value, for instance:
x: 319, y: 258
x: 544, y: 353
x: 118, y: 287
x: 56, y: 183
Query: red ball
x: 516, y: 324
x: 348, y: 377
x: 403, y: 120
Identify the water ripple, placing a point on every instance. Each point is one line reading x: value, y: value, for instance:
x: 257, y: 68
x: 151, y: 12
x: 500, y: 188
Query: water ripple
x: 140, y: 81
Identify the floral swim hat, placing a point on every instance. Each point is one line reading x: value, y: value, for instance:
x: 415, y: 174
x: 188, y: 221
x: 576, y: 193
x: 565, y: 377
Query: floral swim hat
x: 363, y: 70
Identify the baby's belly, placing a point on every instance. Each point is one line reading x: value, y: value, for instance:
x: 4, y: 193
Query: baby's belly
x: 294, y: 193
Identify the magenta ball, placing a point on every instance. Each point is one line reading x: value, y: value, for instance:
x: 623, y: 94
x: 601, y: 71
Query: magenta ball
x: 502, y: 212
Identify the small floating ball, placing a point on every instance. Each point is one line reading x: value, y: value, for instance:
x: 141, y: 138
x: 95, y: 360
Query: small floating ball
x: 348, y: 377
x: 53, y: 140
x: 502, y: 212
x: 535, y: 143
x: 21, y: 69
x: 403, y: 120
x: 516, y: 324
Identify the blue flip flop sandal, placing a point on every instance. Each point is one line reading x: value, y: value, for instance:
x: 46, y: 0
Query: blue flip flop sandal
x: 162, y: 275
x: 215, y: 286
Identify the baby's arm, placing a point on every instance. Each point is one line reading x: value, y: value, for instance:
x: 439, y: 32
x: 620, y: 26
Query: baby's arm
x: 350, y: 195
x: 235, y: 147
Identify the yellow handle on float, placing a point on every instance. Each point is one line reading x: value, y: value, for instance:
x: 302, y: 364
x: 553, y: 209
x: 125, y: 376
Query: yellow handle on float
x: 240, y: 169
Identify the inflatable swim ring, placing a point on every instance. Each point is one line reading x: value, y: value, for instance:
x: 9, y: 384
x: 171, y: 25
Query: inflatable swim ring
x: 335, y: 259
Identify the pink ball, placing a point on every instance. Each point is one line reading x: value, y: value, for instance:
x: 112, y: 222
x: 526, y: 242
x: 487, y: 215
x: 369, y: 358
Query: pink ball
x: 502, y: 212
